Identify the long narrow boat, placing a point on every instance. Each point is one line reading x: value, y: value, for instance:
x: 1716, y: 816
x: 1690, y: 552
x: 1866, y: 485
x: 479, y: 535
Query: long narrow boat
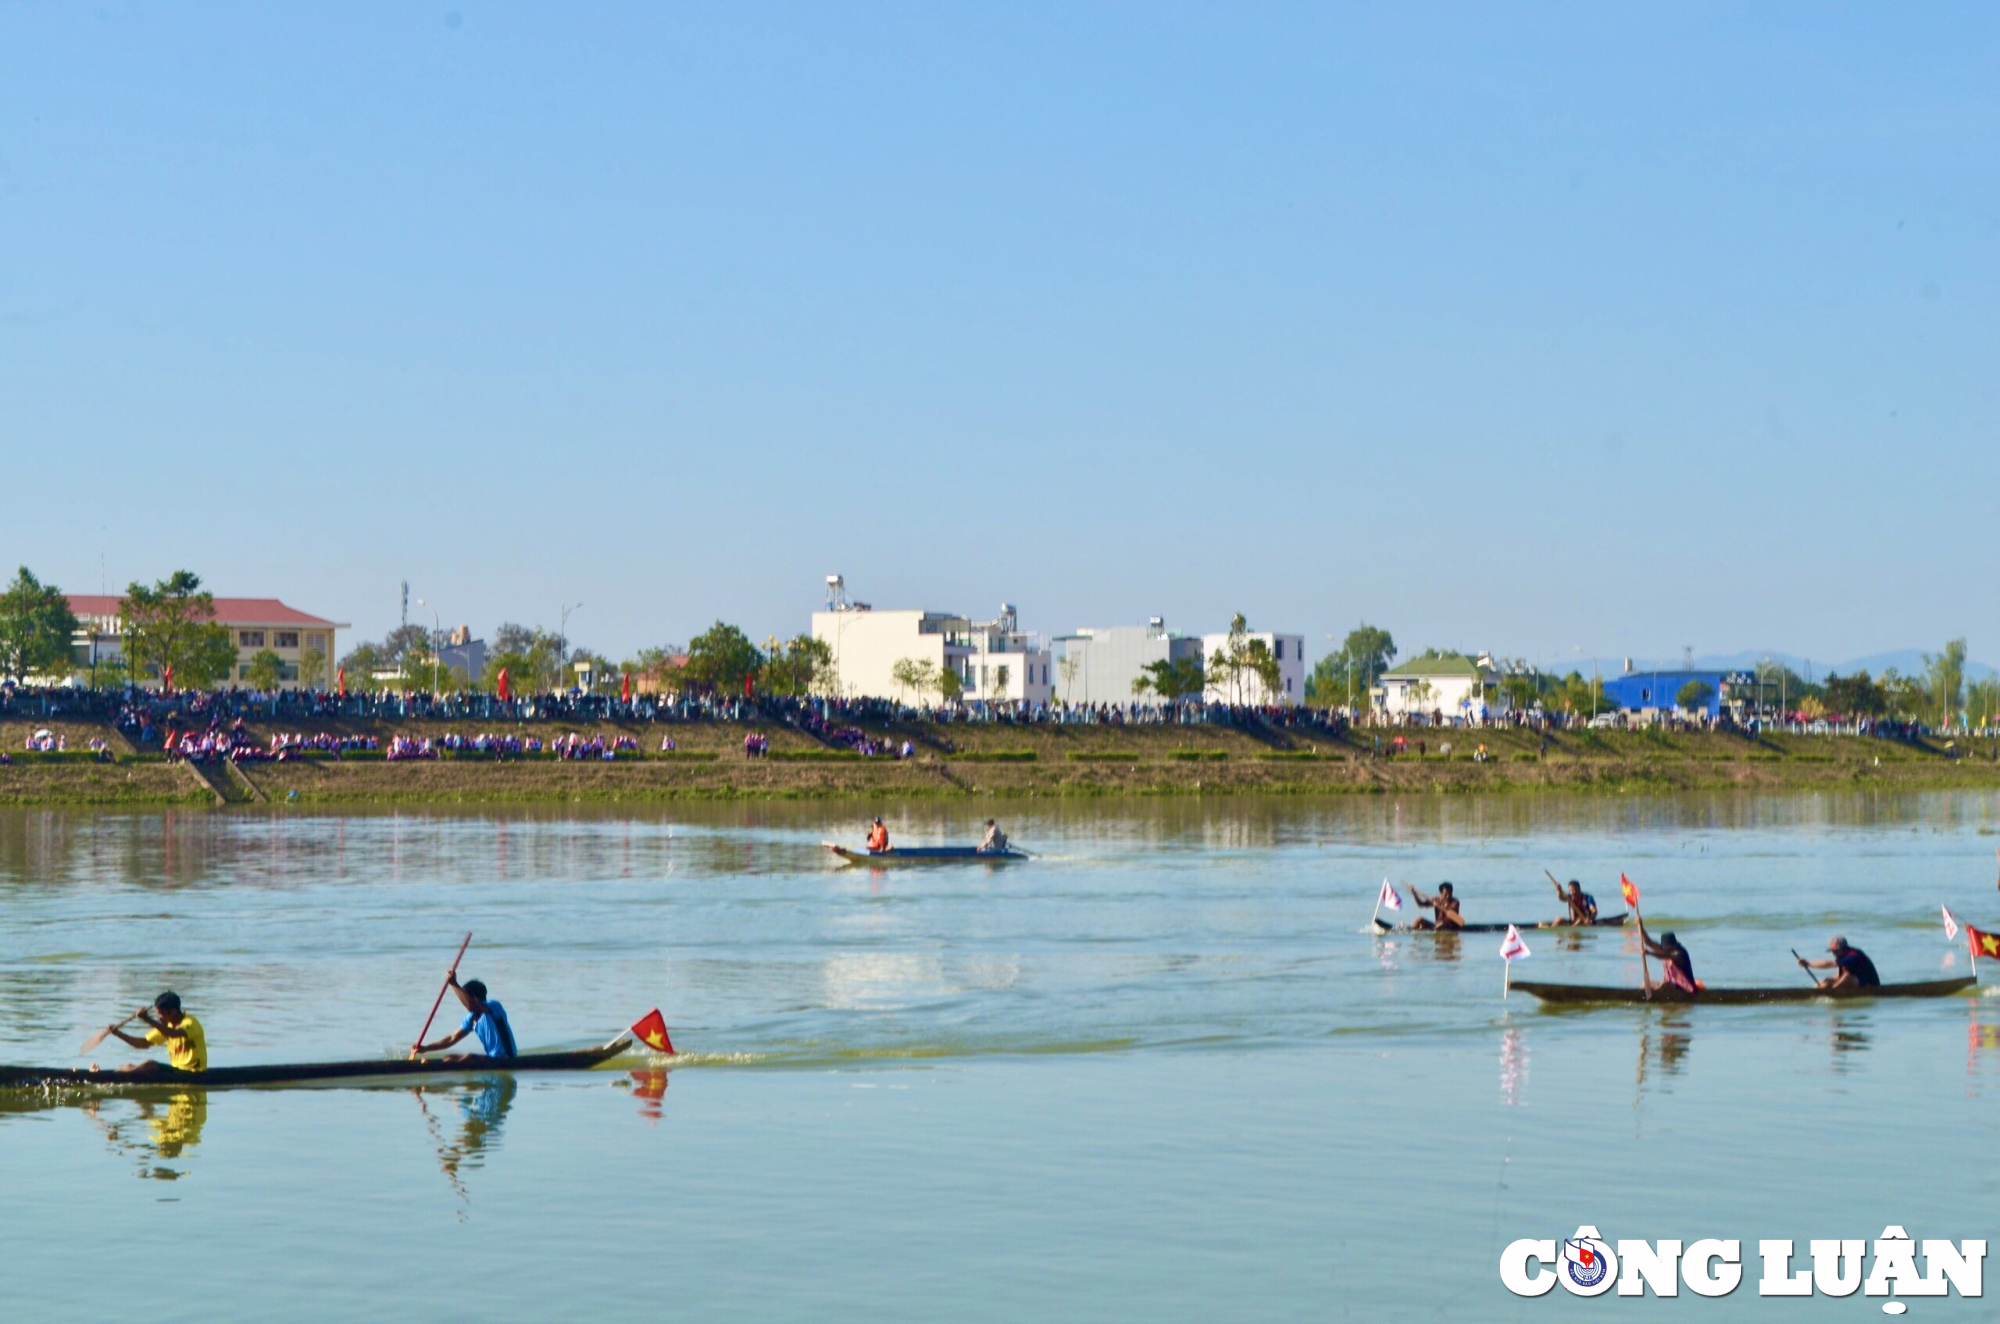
x: 1601, y: 922
x: 926, y: 855
x: 1591, y: 995
x: 299, y: 1072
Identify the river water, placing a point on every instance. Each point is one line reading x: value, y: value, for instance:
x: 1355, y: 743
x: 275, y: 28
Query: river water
x: 1160, y: 1072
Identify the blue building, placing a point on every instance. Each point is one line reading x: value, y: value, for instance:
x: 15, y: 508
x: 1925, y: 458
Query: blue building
x: 1641, y: 690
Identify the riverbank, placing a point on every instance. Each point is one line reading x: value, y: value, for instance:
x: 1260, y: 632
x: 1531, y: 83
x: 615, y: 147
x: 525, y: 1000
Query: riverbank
x: 959, y: 761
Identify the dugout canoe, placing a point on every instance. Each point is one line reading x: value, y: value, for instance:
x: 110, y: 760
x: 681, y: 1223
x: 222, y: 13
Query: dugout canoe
x: 1578, y: 995
x: 305, y: 1072
x: 926, y: 855
x: 1601, y: 922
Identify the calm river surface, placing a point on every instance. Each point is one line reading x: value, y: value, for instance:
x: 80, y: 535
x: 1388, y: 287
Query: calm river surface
x: 1159, y: 1073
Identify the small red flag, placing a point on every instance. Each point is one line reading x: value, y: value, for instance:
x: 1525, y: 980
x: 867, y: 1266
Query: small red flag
x: 505, y: 693
x: 1630, y: 889
x: 343, y: 682
x: 1983, y: 943
x: 167, y: 679
x: 625, y: 689
x: 651, y: 1030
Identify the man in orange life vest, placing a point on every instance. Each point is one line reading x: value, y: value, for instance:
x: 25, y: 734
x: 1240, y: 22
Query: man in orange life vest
x: 878, y: 838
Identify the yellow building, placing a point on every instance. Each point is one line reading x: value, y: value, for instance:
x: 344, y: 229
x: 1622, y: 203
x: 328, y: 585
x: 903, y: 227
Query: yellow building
x: 255, y: 624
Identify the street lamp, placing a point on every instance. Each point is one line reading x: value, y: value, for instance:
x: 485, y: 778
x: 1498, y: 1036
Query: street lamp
x: 436, y: 630
x: 562, y: 639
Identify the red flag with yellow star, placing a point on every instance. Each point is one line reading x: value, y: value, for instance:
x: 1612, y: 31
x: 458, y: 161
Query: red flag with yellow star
x: 651, y: 1030
x: 1630, y: 891
x: 1983, y: 943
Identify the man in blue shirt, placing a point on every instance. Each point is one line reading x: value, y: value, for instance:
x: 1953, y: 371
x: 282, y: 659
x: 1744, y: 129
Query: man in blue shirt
x: 1851, y: 965
x: 483, y: 1017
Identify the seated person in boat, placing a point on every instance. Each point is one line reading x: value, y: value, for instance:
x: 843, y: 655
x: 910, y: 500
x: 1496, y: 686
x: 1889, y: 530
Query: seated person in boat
x: 994, y: 842
x: 1582, y: 905
x: 878, y: 837
x: 1676, y: 966
x: 1850, y: 965
x: 179, y: 1033
x: 1444, y: 906
x: 483, y: 1017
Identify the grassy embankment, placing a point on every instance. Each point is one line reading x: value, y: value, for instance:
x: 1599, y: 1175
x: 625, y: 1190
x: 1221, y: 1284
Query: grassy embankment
x: 1000, y: 761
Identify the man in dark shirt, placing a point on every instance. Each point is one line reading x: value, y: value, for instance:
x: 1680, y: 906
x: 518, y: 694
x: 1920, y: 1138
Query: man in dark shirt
x: 1444, y: 905
x: 1850, y: 965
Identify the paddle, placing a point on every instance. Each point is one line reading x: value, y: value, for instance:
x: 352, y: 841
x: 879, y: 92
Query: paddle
x: 105, y: 1033
x: 442, y: 991
x: 1803, y: 966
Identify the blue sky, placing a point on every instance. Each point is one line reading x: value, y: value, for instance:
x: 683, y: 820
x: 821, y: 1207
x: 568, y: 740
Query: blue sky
x: 1532, y: 329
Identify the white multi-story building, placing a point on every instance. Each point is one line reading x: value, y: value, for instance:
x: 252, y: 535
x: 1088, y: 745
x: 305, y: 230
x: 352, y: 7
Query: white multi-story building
x: 995, y: 661
x: 1289, y: 650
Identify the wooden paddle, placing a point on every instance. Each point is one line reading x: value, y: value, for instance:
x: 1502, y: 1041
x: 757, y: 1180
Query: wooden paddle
x: 442, y: 991
x: 1803, y: 966
x: 105, y: 1033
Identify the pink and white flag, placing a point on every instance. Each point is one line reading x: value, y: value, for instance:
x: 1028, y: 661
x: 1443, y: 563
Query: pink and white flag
x: 1512, y: 948
x: 1389, y: 897
x: 1950, y: 924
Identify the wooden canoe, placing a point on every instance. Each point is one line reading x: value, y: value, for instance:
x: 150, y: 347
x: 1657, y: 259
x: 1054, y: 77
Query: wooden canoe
x: 1601, y: 922
x: 926, y: 855
x: 1589, y: 995
x: 302, y: 1072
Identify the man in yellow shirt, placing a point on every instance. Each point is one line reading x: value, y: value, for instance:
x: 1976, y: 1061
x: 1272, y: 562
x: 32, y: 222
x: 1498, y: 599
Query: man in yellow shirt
x: 186, y: 1045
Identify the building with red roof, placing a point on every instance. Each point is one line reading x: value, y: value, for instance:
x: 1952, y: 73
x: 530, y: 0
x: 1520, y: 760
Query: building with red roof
x: 254, y: 624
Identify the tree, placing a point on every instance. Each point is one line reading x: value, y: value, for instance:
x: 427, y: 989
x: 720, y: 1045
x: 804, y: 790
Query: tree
x: 722, y: 658
x: 1903, y: 696
x: 1982, y: 701
x: 36, y: 628
x: 1067, y: 669
x: 1695, y: 694
x: 265, y: 670
x: 913, y: 678
x: 798, y: 666
x: 361, y: 663
x: 1946, y: 673
x: 1235, y: 659
x: 1345, y: 677
x: 1172, y: 680
x: 312, y: 668
x: 1856, y: 695
x: 172, y: 624
x: 1001, y: 675
x: 1522, y: 688
x: 950, y: 685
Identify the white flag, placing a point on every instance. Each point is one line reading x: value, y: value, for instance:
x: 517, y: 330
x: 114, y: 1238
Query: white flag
x: 1950, y: 924
x: 1389, y: 897
x: 1511, y: 946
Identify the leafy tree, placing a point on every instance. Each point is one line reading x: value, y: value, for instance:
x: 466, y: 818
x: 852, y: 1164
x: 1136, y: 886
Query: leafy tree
x: 913, y: 678
x: 1904, y: 697
x: 172, y: 624
x: 312, y: 668
x: 722, y: 658
x: 1067, y: 669
x: 950, y: 685
x: 265, y: 670
x: 798, y: 666
x: 36, y: 628
x: 1946, y: 674
x: 1001, y: 675
x: 520, y: 671
x: 1345, y: 677
x: 1522, y: 688
x: 1856, y: 695
x: 404, y: 639
x: 1982, y: 702
x: 1695, y: 694
x: 1579, y: 694
x: 1172, y: 680
x: 514, y: 638
x: 361, y: 663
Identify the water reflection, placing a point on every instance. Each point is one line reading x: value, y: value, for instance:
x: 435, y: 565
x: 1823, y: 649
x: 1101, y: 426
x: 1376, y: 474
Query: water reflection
x: 1663, y: 1049
x: 1513, y: 1066
x: 482, y: 1107
x: 650, y: 1089
x: 1849, y: 1034
x: 159, y: 1130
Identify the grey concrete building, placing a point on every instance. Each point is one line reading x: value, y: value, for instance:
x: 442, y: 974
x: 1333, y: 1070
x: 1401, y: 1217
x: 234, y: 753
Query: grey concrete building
x: 1099, y: 665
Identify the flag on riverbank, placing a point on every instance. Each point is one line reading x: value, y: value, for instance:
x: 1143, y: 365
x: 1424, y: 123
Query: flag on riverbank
x: 1630, y: 890
x: 651, y: 1030
x: 1389, y: 897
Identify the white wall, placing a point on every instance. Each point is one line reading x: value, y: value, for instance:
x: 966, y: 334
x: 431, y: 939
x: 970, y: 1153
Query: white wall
x: 1290, y: 650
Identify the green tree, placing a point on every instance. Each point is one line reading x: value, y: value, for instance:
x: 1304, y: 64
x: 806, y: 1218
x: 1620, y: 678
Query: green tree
x: 913, y: 679
x: 721, y: 658
x: 1001, y: 675
x: 1945, y: 673
x: 1171, y: 680
x: 1344, y: 677
x: 950, y: 685
x: 1857, y: 695
x: 1522, y: 688
x: 172, y: 624
x: 520, y: 671
x: 1237, y: 660
x: 37, y: 628
x: 799, y: 666
x: 361, y: 663
x: 1904, y: 697
x: 312, y: 668
x: 1695, y: 694
x: 265, y: 670
x: 1982, y: 702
